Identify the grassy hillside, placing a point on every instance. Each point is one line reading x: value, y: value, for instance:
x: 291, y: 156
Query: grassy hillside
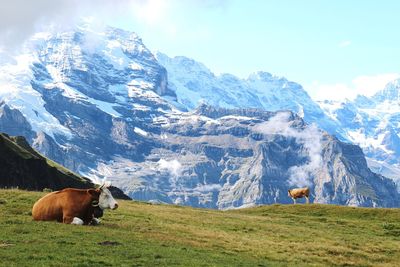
x: 23, y: 167
x: 139, y: 234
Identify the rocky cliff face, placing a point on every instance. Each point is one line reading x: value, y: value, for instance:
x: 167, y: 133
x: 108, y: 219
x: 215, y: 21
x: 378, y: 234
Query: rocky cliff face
x: 373, y: 124
x: 101, y: 104
x: 221, y: 158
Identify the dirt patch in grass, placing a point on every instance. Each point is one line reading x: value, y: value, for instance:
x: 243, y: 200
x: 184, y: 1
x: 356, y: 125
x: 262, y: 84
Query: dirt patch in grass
x: 109, y: 243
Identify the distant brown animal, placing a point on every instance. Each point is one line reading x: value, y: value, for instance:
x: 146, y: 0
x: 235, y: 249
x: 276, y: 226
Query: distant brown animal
x: 299, y: 193
x: 73, y: 206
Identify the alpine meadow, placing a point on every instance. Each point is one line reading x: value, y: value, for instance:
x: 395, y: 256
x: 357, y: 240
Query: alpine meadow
x: 199, y: 133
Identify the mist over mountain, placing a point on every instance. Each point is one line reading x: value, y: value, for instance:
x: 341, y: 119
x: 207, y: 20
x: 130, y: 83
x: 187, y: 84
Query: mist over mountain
x: 167, y: 129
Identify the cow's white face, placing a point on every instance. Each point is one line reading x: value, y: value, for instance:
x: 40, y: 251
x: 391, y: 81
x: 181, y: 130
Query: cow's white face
x: 106, y: 200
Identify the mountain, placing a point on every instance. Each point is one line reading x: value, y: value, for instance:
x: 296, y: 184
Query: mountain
x: 373, y: 123
x: 193, y: 84
x: 100, y: 103
x: 225, y: 158
x: 23, y: 167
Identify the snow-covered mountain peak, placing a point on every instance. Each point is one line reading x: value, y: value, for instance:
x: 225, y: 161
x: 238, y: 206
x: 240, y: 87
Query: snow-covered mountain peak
x: 391, y: 92
x: 186, y: 65
x: 373, y: 123
x: 194, y: 84
x: 262, y: 75
x: 229, y: 77
x: 362, y: 101
x: 106, y: 109
x: 107, y: 68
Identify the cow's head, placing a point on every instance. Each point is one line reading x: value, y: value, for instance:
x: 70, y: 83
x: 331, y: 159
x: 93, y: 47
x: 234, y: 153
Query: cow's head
x: 289, y: 193
x: 106, y: 200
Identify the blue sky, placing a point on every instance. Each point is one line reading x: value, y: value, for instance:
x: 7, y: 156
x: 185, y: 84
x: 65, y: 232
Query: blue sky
x: 335, y: 49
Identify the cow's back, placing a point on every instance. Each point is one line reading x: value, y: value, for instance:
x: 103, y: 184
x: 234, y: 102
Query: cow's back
x: 49, y: 207
x: 64, y: 204
x: 300, y: 192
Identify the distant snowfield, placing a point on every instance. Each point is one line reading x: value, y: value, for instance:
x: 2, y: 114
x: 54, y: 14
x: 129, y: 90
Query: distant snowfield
x: 140, y: 131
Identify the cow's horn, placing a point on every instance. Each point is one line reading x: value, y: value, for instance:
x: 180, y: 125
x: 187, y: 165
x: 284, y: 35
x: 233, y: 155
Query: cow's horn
x: 102, y: 186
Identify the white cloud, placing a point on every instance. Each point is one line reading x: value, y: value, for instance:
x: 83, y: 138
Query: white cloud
x: 151, y: 12
x: 360, y: 85
x: 344, y: 43
x: 309, y: 137
x: 174, y: 167
x: 338, y: 91
x: 369, y: 85
x: 169, y: 18
x: 19, y: 19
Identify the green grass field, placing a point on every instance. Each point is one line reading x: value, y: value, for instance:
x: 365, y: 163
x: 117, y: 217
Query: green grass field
x: 139, y: 234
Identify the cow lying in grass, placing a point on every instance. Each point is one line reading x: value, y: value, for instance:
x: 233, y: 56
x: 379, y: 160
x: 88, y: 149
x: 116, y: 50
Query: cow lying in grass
x: 299, y: 193
x: 74, y: 206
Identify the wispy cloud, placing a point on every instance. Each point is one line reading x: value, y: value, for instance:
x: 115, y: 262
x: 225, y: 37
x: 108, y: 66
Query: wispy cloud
x: 151, y: 12
x: 19, y: 19
x: 174, y: 167
x: 366, y: 85
x: 309, y: 138
x: 345, y: 43
x: 369, y: 85
x: 336, y: 91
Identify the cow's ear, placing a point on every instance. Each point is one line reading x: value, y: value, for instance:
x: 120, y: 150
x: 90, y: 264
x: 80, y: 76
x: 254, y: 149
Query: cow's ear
x: 94, y: 192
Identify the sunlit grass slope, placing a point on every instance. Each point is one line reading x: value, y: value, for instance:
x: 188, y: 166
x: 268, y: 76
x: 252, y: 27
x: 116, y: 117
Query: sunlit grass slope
x: 139, y: 234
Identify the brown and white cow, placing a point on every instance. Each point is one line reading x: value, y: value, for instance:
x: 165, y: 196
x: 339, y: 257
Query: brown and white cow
x: 73, y: 206
x: 299, y: 193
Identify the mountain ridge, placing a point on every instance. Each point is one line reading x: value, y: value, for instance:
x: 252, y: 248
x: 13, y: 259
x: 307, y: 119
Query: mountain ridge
x: 111, y: 111
x: 196, y: 84
x: 373, y: 123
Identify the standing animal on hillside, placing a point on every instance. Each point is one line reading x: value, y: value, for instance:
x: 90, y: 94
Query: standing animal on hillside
x: 74, y: 206
x: 299, y: 193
